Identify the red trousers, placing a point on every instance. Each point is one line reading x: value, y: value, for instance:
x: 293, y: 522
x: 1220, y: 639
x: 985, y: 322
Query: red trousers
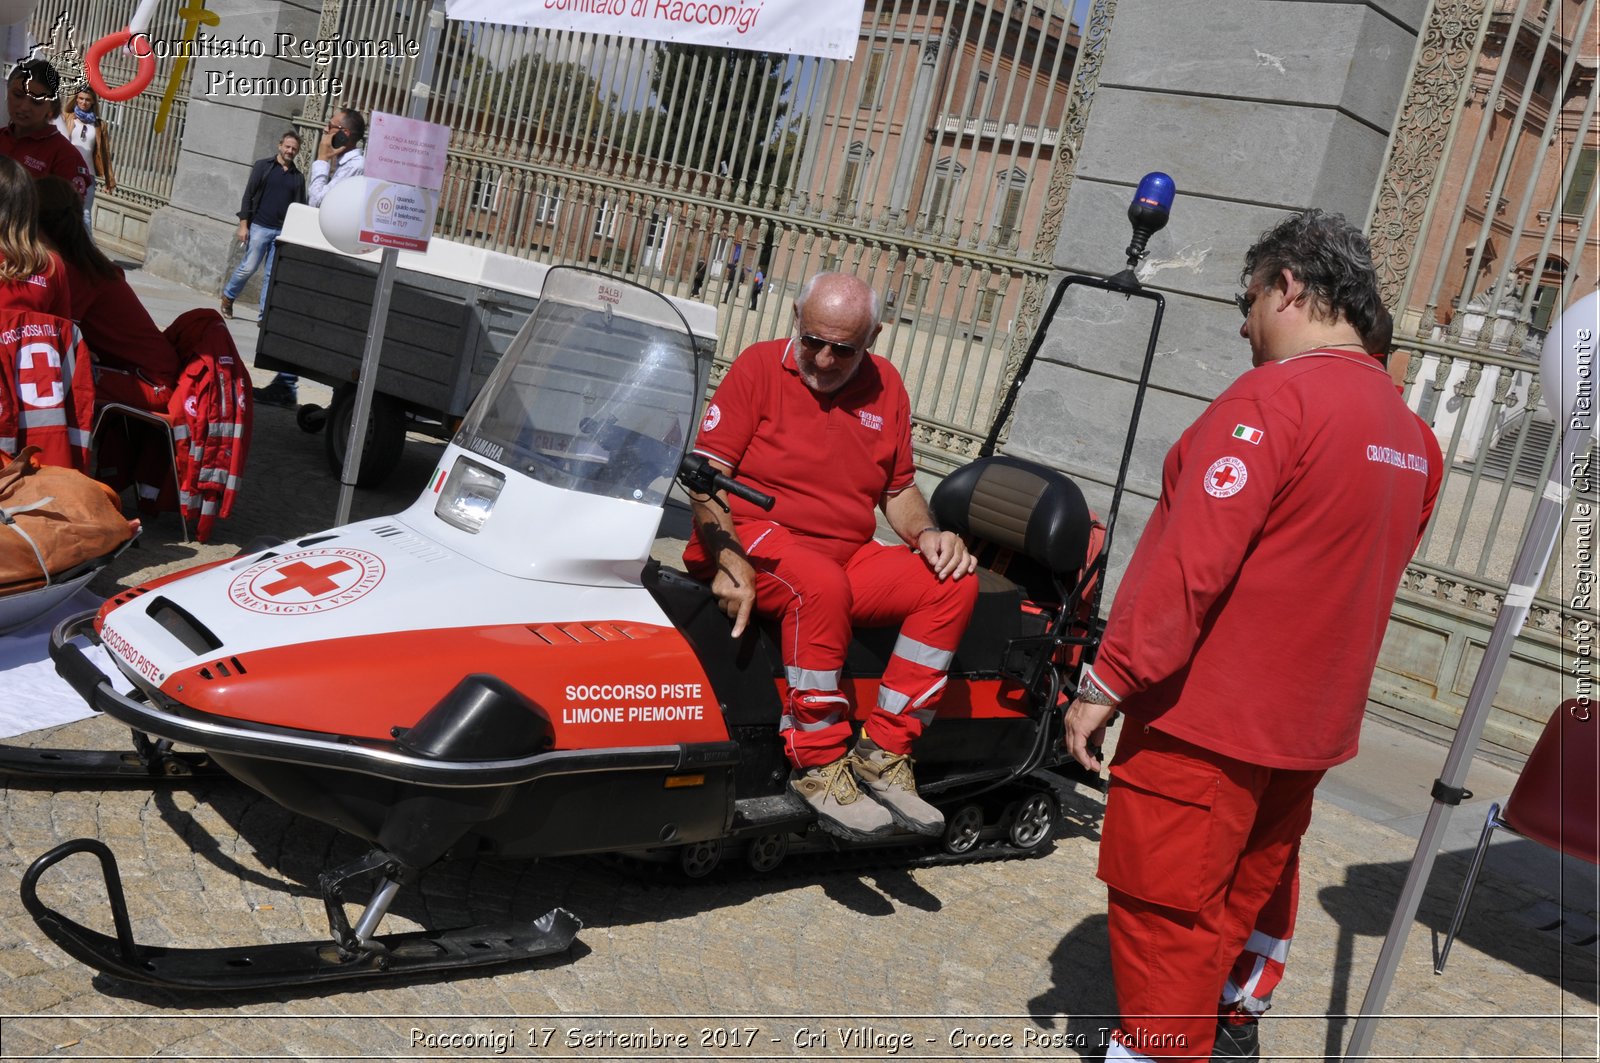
x: 817, y: 598
x: 1195, y: 847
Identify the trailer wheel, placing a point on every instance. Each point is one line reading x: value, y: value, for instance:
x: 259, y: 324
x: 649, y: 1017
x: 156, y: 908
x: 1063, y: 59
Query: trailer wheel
x: 1031, y: 822
x: 962, y: 829
x: 386, y: 436
x: 700, y: 859
x: 766, y: 852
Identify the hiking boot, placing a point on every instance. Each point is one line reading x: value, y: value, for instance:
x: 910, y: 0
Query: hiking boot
x: 832, y: 793
x: 227, y: 307
x: 276, y: 393
x: 1237, y: 1040
x: 887, y: 779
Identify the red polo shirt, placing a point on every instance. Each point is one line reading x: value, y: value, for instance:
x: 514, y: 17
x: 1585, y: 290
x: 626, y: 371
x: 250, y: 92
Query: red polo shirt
x: 827, y: 459
x: 47, y: 152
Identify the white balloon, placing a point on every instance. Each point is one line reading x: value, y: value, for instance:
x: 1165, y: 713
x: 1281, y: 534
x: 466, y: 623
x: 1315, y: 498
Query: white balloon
x: 1567, y: 371
x: 340, y: 216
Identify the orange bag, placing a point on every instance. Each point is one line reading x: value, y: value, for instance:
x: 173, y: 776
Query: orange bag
x: 53, y: 519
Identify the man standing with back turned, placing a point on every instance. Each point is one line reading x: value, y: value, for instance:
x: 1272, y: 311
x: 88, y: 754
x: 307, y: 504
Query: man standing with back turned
x: 1243, y: 638
x: 824, y: 427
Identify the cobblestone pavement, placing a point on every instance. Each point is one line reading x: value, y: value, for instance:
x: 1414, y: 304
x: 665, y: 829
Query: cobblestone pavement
x: 986, y: 960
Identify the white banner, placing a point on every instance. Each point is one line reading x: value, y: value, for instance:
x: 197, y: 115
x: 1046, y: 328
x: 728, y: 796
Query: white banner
x: 826, y: 28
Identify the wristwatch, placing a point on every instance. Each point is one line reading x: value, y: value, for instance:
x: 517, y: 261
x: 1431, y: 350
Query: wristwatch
x: 1091, y: 692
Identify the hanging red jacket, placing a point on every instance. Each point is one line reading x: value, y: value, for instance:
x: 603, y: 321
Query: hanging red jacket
x: 212, y: 402
x: 46, y: 388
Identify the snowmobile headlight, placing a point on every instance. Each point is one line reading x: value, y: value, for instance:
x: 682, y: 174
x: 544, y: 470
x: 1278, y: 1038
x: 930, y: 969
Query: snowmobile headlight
x: 469, y: 494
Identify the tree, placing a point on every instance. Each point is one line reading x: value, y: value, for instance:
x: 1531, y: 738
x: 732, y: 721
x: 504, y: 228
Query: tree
x: 721, y: 110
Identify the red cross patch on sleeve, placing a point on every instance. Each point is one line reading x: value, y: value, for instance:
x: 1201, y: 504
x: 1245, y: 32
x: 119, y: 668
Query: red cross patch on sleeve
x: 1226, y: 477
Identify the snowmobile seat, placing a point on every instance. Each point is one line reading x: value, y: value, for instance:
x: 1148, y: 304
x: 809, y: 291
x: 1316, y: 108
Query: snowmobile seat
x: 1026, y: 521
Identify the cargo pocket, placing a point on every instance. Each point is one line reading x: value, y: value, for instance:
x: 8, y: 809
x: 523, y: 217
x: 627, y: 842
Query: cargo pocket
x: 1158, y: 838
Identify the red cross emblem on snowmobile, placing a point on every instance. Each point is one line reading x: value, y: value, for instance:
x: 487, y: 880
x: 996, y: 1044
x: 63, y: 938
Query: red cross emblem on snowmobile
x: 306, y: 581
x: 312, y: 579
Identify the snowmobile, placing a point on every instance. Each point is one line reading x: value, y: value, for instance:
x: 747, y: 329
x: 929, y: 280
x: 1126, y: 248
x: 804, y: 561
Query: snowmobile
x: 503, y: 669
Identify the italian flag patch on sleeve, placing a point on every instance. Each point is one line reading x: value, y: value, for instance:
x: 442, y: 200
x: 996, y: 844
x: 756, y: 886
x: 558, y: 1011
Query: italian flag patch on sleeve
x: 1246, y: 433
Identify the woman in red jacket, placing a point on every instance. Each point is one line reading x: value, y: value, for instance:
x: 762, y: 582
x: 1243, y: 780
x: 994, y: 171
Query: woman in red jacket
x: 120, y: 333
x: 31, y: 275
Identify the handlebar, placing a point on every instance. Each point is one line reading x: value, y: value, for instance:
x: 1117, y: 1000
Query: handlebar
x: 696, y: 474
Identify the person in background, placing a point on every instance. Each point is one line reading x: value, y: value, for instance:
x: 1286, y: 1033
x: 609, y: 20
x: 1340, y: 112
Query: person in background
x: 339, y: 155
x: 339, y: 159
x: 31, y: 275
x: 86, y: 131
x: 33, y: 92
x: 118, y: 329
x: 275, y: 182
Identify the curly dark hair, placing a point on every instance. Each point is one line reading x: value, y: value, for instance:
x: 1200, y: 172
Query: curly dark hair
x: 1329, y: 256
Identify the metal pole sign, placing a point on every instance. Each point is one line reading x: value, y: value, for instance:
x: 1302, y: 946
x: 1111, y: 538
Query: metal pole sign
x: 411, y: 148
x: 1567, y: 375
x: 405, y: 163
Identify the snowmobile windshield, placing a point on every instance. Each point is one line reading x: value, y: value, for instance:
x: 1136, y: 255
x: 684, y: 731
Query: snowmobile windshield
x: 595, y: 394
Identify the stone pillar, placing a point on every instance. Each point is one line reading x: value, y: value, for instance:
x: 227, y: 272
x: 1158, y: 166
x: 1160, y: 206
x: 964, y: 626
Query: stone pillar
x: 190, y: 240
x: 1255, y: 109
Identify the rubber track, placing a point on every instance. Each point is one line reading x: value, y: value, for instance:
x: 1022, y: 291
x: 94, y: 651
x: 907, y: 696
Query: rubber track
x: 844, y: 859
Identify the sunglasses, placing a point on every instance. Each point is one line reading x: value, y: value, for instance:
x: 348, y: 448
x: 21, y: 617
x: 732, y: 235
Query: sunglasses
x: 817, y: 343
x: 36, y: 99
x: 1244, y: 303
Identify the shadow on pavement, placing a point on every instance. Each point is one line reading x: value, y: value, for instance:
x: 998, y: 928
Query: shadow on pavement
x: 1506, y: 923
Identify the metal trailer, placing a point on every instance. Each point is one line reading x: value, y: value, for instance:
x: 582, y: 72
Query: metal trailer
x: 453, y: 312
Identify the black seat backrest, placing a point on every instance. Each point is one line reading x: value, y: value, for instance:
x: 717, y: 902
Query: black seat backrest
x: 1021, y: 507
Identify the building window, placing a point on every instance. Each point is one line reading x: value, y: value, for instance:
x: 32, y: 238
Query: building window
x: 942, y: 190
x: 485, y: 190
x: 983, y: 96
x: 988, y: 299
x: 917, y: 290
x: 1582, y: 187
x: 547, y: 207
x: 850, y: 176
x: 656, y: 231
x: 1008, y: 211
x: 872, y: 80
x: 1550, y: 283
x: 605, y: 220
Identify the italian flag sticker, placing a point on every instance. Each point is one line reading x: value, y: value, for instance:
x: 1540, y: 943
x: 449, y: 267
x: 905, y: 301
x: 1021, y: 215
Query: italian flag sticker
x: 1246, y: 433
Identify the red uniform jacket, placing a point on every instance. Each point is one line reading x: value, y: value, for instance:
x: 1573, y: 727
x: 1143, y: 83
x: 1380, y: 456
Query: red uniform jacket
x: 1251, y: 615
x: 46, y: 388
x: 212, y: 402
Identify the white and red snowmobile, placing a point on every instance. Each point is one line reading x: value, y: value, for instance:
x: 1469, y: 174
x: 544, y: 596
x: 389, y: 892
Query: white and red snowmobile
x: 501, y: 668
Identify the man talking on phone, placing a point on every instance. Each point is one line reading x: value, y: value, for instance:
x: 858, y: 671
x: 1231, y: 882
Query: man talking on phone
x: 339, y: 156
x: 339, y: 159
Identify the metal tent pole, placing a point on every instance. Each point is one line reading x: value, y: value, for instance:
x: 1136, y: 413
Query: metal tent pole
x: 1568, y: 371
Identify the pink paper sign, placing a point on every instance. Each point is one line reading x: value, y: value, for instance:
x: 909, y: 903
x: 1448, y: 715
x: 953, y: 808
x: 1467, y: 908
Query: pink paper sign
x: 407, y: 151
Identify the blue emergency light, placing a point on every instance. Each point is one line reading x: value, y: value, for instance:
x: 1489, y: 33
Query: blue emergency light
x: 1151, y: 206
